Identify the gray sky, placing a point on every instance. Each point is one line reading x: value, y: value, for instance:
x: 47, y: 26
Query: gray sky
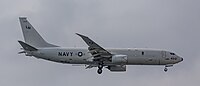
x: 164, y: 24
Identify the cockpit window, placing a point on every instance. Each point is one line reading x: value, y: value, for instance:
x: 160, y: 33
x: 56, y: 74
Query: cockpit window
x: 172, y: 53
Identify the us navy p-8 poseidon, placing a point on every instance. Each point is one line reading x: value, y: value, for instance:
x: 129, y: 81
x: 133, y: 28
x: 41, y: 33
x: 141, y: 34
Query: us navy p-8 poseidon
x: 115, y: 59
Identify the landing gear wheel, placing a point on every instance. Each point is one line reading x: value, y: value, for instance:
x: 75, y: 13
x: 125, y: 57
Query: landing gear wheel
x: 165, y: 69
x: 100, y: 66
x: 99, y: 71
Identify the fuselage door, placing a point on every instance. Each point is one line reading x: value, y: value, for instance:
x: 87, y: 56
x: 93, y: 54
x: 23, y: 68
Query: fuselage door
x: 164, y: 54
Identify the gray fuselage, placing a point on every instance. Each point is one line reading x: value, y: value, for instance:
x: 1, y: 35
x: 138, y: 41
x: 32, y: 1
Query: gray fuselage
x: 82, y: 56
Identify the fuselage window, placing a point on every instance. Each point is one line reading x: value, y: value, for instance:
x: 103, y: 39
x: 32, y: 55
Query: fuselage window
x: 142, y: 53
x: 174, y: 58
x: 167, y: 59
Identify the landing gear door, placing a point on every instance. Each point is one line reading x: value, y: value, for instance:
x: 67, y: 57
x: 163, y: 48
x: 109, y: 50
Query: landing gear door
x: 163, y: 54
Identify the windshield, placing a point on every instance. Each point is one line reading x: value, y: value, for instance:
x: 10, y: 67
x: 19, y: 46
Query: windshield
x: 172, y: 53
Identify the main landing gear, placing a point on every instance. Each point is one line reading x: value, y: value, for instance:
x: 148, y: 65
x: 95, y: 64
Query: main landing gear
x: 99, y: 71
x: 100, y: 67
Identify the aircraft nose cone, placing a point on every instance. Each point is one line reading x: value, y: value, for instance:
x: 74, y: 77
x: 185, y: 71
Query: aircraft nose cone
x: 181, y: 59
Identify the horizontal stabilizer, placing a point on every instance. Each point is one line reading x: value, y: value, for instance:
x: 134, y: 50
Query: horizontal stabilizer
x: 27, y: 46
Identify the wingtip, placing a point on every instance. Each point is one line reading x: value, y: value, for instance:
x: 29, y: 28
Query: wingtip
x: 22, y: 17
x: 79, y: 34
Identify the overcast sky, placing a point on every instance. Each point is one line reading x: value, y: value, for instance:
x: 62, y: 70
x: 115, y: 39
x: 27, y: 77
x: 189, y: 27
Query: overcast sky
x: 172, y: 25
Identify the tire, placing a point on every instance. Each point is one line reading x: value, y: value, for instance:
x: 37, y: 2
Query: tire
x: 100, y: 66
x: 99, y: 71
x: 165, y: 69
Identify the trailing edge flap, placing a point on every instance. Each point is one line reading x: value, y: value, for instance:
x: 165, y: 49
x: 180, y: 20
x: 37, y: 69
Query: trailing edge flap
x: 27, y: 46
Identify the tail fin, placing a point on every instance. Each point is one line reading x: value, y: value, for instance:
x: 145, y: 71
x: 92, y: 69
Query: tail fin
x: 31, y: 36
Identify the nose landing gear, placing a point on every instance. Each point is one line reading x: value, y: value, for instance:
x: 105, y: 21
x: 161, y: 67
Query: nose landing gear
x: 168, y: 65
x: 165, y: 69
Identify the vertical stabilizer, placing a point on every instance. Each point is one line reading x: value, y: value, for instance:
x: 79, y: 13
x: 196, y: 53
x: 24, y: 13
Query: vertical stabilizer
x: 31, y: 36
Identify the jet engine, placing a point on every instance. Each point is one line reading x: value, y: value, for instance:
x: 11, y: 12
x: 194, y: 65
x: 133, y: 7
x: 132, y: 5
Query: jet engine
x: 119, y: 59
x: 117, y: 68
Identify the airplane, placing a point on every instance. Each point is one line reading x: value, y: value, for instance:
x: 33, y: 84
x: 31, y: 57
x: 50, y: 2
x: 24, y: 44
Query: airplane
x: 115, y: 59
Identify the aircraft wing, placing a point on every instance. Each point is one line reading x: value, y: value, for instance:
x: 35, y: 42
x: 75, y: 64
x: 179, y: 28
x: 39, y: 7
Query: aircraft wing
x: 97, y: 51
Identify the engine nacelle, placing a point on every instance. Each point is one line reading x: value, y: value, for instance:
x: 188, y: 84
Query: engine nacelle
x: 119, y: 59
x: 117, y: 68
